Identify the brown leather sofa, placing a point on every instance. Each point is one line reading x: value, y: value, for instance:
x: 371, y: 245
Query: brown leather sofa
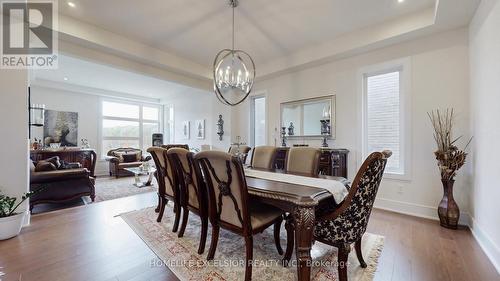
x: 59, y: 185
x: 124, y: 157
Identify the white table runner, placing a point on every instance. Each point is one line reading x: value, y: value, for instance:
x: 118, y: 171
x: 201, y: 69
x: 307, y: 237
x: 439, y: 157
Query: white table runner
x: 336, y: 188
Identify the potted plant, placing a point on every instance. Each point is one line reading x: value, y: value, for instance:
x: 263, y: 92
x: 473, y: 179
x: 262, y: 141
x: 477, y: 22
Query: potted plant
x: 450, y: 160
x: 10, y: 220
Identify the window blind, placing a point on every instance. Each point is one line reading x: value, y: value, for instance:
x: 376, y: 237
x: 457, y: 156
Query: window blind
x: 383, y: 117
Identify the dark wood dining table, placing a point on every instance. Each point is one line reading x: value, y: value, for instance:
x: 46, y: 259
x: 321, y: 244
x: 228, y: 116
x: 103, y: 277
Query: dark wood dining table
x: 302, y: 202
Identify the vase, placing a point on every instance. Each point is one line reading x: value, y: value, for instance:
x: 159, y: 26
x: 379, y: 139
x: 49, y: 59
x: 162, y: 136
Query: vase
x: 448, y: 209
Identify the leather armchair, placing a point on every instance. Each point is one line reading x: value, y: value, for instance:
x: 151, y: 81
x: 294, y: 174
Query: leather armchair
x: 60, y: 185
x: 117, y: 160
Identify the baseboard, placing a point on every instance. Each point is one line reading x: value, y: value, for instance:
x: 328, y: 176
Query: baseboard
x: 415, y: 210
x: 491, y: 250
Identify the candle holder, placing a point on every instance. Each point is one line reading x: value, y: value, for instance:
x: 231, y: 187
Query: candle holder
x: 283, y: 136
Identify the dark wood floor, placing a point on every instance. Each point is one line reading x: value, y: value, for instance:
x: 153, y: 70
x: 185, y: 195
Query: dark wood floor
x: 91, y: 243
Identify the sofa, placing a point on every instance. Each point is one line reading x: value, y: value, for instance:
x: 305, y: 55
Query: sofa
x: 58, y: 181
x: 124, y: 157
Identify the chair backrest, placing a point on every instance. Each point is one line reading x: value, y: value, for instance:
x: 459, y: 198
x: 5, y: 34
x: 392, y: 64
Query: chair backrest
x: 119, y: 152
x: 169, y: 146
x: 234, y: 149
x: 303, y: 160
x: 164, y: 170
x: 356, y: 208
x: 188, y: 177
x: 227, y: 190
x: 263, y: 157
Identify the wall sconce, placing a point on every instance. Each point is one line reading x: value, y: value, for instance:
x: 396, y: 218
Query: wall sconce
x: 220, y: 127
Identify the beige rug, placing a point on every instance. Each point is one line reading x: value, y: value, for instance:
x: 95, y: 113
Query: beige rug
x: 180, y: 254
x: 108, y: 188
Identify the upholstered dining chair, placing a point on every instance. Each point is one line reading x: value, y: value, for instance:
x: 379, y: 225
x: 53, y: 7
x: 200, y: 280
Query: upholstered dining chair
x: 229, y: 204
x: 167, y: 190
x: 263, y: 157
x: 303, y: 160
x: 244, y: 149
x: 193, y: 196
x: 347, y: 223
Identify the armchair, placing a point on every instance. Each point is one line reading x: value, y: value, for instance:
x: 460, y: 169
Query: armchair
x: 121, y: 158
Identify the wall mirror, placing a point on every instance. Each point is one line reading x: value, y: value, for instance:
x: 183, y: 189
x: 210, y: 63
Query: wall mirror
x: 313, y: 117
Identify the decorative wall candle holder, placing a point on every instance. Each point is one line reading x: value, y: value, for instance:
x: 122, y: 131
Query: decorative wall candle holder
x: 220, y: 127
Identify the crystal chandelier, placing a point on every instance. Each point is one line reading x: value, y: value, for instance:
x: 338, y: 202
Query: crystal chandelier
x: 234, y: 72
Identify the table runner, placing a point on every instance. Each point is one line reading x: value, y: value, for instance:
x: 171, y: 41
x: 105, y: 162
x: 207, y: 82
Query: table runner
x: 336, y: 188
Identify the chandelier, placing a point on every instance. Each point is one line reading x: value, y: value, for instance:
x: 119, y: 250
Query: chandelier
x: 234, y: 72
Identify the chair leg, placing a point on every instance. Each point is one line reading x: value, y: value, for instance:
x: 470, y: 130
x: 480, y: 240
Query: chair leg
x: 185, y: 215
x: 213, y: 243
x: 203, y: 237
x: 277, y: 228
x: 290, y: 240
x: 342, y: 261
x: 159, y: 204
x: 357, y: 246
x: 163, y: 202
x: 249, y: 257
x: 177, y: 211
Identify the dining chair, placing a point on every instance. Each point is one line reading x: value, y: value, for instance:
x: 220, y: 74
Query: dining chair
x: 193, y: 197
x: 230, y: 206
x: 263, y: 157
x: 303, y: 160
x: 167, y: 190
x: 346, y: 224
x: 244, y: 149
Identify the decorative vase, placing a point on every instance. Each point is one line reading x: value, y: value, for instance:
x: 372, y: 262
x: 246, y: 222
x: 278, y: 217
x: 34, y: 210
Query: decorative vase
x: 448, y: 209
x: 11, y: 226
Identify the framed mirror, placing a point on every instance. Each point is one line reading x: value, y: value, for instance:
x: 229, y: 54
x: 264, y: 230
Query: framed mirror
x: 313, y: 117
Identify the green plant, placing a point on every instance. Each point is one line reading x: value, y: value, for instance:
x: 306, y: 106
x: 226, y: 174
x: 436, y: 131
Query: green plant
x: 8, y: 204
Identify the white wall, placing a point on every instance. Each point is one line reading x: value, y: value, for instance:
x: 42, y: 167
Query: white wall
x: 14, y: 128
x: 485, y: 112
x: 439, y: 74
x: 197, y: 106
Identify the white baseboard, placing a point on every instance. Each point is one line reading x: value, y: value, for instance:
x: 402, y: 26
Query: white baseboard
x: 485, y: 242
x: 415, y: 210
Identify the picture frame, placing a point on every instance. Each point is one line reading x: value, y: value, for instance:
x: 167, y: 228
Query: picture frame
x: 200, y: 129
x: 185, y: 130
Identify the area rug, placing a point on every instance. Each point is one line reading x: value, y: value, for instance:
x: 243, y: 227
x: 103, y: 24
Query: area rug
x: 108, y: 188
x: 181, y: 257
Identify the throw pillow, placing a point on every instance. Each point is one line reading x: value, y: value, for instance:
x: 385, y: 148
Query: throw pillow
x: 44, y: 166
x: 129, y: 158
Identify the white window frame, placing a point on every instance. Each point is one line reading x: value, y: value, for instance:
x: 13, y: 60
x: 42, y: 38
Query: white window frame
x: 140, y: 120
x: 252, y: 117
x: 404, y: 67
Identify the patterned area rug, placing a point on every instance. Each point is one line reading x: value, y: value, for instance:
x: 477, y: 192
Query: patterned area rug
x: 180, y: 254
x: 108, y: 188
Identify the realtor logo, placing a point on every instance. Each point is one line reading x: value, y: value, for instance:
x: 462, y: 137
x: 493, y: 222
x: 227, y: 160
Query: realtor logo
x: 28, y: 36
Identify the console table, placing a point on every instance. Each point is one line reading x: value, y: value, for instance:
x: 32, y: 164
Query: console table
x: 332, y: 161
x: 86, y: 157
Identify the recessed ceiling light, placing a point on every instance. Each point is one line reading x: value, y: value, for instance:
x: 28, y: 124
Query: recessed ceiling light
x: 71, y: 4
x: 401, y: 1
x: 65, y: 78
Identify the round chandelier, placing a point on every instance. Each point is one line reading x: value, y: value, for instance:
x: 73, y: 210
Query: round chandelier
x: 234, y: 72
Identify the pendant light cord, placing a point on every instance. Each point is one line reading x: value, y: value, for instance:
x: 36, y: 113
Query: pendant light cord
x: 233, y: 24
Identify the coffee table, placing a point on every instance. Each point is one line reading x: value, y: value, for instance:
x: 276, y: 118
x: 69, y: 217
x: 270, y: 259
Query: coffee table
x: 138, y: 171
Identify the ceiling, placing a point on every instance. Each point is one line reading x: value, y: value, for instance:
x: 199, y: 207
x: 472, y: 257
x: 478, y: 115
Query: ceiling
x: 93, y: 78
x: 267, y: 30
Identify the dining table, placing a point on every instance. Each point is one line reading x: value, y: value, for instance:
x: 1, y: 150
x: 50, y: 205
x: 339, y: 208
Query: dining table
x: 302, y: 202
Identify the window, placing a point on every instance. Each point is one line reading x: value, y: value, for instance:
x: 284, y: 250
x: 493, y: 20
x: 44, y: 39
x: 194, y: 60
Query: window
x: 127, y: 124
x: 385, y: 116
x: 258, y: 121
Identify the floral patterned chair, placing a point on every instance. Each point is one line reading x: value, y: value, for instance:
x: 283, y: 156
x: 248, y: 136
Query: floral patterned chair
x: 347, y: 224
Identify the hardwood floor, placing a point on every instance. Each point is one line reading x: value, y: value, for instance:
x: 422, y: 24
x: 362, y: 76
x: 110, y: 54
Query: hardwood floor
x: 91, y: 243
